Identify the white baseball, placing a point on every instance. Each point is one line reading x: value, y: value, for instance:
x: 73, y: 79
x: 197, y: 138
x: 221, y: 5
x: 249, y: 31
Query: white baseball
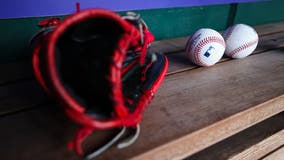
x: 241, y: 40
x: 205, y: 47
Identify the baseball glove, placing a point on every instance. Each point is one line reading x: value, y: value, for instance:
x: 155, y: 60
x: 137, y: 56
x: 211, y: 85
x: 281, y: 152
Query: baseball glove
x: 97, y: 65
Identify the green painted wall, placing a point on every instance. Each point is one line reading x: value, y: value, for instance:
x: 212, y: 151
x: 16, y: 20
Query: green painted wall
x: 15, y: 37
x: 175, y: 22
x: 260, y: 13
x: 164, y: 23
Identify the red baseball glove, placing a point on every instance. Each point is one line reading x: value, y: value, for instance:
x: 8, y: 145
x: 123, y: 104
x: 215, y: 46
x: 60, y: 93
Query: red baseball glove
x: 96, y: 64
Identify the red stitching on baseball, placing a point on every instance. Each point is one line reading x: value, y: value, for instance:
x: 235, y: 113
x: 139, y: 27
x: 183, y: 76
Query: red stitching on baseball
x: 229, y: 32
x: 188, y: 47
x: 188, y: 43
x: 243, y: 47
x: 204, y: 42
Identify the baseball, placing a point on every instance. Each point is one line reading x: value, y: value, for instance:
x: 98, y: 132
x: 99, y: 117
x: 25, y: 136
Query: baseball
x: 241, y: 40
x: 205, y: 47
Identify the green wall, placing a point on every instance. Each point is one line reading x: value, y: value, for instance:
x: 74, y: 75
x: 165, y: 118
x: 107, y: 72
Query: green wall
x: 175, y: 22
x: 260, y: 13
x: 164, y: 23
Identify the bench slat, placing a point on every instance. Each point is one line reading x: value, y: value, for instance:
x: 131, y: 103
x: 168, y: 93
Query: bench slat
x: 276, y: 155
x: 196, y: 101
x: 190, y: 101
x: 21, y: 96
x: 252, y: 143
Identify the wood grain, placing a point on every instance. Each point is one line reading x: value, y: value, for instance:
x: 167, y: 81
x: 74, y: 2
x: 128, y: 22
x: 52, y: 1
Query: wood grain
x: 21, y: 96
x: 37, y: 134
x: 191, y: 111
x: 270, y: 28
x: 262, y: 148
x: 190, y: 101
x: 277, y: 155
x: 244, y: 141
x: 201, y: 139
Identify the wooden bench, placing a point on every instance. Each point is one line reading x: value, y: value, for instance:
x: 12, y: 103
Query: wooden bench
x: 231, y: 110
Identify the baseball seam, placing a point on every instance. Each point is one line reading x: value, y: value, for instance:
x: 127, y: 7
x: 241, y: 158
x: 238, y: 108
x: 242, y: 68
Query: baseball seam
x: 229, y: 33
x: 189, y: 48
x: 242, y: 47
x: 202, y: 43
x: 188, y: 44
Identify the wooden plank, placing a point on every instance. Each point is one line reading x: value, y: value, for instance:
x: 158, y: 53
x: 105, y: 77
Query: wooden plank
x: 262, y: 148
x: 17, y: 71
x: 42, y: 134
x: 191, y: 111
x: 190, y: 101
x: 249, y: 142
x: 169, y: 45
x: 207, y: 136
x: 20, y: 96
x: 37, y: 134
x: 277, y: 155
x: 270, y: 28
